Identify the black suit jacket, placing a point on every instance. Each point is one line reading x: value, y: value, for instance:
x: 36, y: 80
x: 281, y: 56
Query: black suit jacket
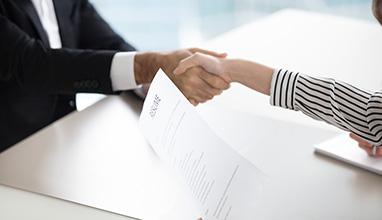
x: 38, y: 84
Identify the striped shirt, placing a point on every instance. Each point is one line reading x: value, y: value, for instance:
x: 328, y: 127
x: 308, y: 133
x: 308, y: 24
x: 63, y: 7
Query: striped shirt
x: 340, y: 104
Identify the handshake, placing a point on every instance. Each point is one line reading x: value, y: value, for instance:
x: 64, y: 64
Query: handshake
x: 195, y: 81
x: 202, y: 74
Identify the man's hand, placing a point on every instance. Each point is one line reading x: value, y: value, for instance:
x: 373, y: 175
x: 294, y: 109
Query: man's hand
x: 196, y: 84
x: 366, y: 146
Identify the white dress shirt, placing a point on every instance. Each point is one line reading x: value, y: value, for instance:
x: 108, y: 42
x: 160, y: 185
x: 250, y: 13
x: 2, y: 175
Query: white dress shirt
x: 122, y: 66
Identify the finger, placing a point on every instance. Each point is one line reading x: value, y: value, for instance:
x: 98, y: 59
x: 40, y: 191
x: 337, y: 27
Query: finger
x: 186, y: 64
x: 359, y: 139
x: 379, y: 152
x: 211, y: 90
x: 203, y: 94
x: 209, y: 52
x: 193, y: 101
x: 198, y: 100
x: 203, y: 90
x: 366, y: 149
x: 214, y: 81
x: 369, y: 150
x: 355, y: 137
x: 208, y: 92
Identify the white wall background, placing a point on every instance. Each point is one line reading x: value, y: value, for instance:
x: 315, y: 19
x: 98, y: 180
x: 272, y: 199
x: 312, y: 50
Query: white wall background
x: 168, y: 24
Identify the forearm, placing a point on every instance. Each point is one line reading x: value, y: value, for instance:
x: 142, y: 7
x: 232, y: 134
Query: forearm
x: 250, y: 74
x: 335, y: 102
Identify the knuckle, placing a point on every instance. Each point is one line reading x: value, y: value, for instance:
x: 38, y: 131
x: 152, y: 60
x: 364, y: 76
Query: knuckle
x: 209, y: 97
x: 217, y: 83
x: 218, y: 92
x: 225, y: 85
x: 193, y: 49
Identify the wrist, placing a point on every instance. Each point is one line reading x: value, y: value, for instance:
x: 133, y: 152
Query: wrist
x: 160, y: 59
x: 251, y: 74
x: 167, y: 62
x: 145, y: 66
x: 230, y: 68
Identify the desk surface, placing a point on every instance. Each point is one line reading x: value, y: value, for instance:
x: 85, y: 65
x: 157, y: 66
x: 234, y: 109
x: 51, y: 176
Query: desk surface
x: 303, y: 185
x: 311, y: 43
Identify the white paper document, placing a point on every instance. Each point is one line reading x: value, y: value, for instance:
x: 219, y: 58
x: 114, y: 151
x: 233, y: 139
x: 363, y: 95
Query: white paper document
x: 224, y: 185
x: 345, y: 149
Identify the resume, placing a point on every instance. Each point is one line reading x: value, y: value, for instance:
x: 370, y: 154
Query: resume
x: 224, y: 185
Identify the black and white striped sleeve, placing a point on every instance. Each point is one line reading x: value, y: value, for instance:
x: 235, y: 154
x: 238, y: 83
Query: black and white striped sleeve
x: 345, y: 106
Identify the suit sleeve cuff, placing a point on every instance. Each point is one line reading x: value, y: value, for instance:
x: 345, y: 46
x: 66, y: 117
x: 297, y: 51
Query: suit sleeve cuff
x: 283, y: 88
x: 122, y: 72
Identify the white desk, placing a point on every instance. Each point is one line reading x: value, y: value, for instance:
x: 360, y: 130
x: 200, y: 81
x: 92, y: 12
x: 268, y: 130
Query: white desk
x: 304, y: 185
x: 307, y: 42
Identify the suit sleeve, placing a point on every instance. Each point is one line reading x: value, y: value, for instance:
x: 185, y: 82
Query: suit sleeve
x: 96, y: 33
x: 56, y: 71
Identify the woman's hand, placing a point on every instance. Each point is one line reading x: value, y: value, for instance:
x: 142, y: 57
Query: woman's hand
x: 211, y: 64
x: 253, y: 75
x: 366, y: 146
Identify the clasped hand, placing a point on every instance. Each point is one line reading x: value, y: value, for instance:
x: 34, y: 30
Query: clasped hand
x: 197, y: 84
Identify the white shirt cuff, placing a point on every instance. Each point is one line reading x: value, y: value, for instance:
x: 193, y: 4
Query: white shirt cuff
x: 122, y: 71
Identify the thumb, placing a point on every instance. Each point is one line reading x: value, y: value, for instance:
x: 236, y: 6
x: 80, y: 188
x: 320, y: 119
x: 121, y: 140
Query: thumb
x: 223, y: 55
x: 186, y: 64
x: 209, y: 52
